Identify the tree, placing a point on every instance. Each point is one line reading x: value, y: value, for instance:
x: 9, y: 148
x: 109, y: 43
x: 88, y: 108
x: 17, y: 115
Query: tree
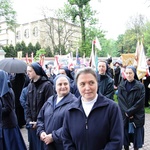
x: 37, y: 46
x: 31, y: 49
x: 80, y: 11
x: 7, y: 12
x: 146, y: 37
x: 59, y: 33
x: 135, y: 29
x: 39, y: 53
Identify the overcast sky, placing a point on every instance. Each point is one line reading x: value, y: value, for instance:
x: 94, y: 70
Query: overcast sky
x: 113, y: 14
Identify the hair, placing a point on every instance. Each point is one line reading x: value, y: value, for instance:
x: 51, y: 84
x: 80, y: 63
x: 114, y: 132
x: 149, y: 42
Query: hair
x: 86, y: 70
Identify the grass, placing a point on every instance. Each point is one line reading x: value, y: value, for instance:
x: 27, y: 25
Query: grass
x: 147, y: 109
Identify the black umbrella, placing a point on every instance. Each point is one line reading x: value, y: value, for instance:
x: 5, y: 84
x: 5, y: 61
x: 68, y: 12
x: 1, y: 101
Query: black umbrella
x: 13, y: 65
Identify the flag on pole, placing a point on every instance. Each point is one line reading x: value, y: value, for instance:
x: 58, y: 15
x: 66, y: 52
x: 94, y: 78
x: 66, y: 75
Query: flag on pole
x: 77, y: 57
x: 136, y: 60
x: 32, y: 58
x: 27, y: 59
x: 19, y: 54
x: 93, y: 62
x: 97, y: 44
x: 41, y: 59
x: 141, y: 65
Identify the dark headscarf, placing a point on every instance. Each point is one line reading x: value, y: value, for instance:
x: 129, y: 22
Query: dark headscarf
x: 4, y: 87
x: 68, y: 72
x: 38, y: 69
x: 134, y: 70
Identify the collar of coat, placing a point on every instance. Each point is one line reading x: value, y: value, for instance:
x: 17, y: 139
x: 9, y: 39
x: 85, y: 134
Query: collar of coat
x: 69, y: 98
x: 101, y: 101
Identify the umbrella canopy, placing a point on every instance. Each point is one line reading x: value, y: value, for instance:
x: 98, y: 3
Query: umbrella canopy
x: 13, y: 65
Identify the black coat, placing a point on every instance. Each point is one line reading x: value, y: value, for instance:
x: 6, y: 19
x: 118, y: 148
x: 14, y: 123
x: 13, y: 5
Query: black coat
x: 132, y: 102
x: 105, y: 85
x: 101, y: 130
x: 9, y: 118
x: 37, y: 95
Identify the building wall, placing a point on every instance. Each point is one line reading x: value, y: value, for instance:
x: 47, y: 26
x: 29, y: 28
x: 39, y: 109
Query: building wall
x: 37, y: 31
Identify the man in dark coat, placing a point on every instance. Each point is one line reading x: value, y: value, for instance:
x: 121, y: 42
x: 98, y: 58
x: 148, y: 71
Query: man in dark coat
x: 39, y: 90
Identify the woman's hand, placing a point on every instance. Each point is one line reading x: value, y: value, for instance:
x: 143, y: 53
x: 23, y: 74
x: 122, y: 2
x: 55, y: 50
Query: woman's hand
x: 48, y: 139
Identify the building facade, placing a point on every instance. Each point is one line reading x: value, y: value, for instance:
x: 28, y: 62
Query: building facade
x: 48, y: 32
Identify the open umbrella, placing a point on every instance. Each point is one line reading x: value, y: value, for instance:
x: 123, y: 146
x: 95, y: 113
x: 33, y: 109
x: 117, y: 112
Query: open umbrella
x: 13, y: 65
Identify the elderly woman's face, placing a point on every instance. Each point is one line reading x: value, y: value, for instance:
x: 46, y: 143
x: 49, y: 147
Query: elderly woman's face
x: 62, y: 86
x: 129, y: 74
x: 87, y: 86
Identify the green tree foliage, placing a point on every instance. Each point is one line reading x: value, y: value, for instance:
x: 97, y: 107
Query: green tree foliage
x: 7, y: 12
x: 39, y: 53
x: 10, y: 51
x: 126, y: 43
x: 48, y: 52
x: 37, y: 46
x: 31, y: 49
x: 146, y: 37
x: 80, y: 11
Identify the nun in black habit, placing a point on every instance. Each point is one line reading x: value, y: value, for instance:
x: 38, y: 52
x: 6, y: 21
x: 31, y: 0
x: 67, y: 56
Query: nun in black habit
x: 12, y: 138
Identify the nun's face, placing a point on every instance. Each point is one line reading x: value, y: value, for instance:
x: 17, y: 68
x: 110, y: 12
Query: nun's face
x: 62, y: 86
x: 102, y: 68
x: 87, y: 86
x: 31, y: 73
x: 129, y: 74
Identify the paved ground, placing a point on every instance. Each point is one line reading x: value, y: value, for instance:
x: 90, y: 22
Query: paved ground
x: 147, y: 134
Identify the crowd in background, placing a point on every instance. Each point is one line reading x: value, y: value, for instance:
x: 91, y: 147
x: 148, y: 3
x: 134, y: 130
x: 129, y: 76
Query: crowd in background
x: 74, y: 107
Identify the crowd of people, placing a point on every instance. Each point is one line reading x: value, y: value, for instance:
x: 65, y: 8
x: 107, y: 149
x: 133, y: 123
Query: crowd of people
x: 74, y: 109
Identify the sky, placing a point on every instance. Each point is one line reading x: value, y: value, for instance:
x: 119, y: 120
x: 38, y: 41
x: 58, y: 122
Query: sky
x: 113, y: 14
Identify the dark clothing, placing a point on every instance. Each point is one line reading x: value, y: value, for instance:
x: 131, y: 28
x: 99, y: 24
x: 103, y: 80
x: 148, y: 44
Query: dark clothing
x: 12, y: 138
x: 117, y: 76
x: 50, y: 119
x: 1, y: 136
x: 102, y: 129
x: 23, y: 98
x: 131, y: 101
x: 147, y: 90
x: 17, y: 86
x: 105, y: 85
x: 37, y: 95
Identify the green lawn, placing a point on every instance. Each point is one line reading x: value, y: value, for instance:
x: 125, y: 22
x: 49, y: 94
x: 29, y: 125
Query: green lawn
x: 147, y: 110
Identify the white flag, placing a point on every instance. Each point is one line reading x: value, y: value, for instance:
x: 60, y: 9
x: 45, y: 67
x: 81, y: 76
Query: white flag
x: 142, y: 65
x: 97, y: 44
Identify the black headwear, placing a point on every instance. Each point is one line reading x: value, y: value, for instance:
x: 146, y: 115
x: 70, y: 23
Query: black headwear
x: 134, y: 70
x: 38, y: 69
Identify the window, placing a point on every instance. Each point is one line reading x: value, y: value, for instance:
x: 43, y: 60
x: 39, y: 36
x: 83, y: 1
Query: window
x: 18, y: 36
x: 26, y: 33
x: 35, y: 31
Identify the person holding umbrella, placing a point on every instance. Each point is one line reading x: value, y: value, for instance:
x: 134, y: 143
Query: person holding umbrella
x: 12, y: 138
x: 39, y: 90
